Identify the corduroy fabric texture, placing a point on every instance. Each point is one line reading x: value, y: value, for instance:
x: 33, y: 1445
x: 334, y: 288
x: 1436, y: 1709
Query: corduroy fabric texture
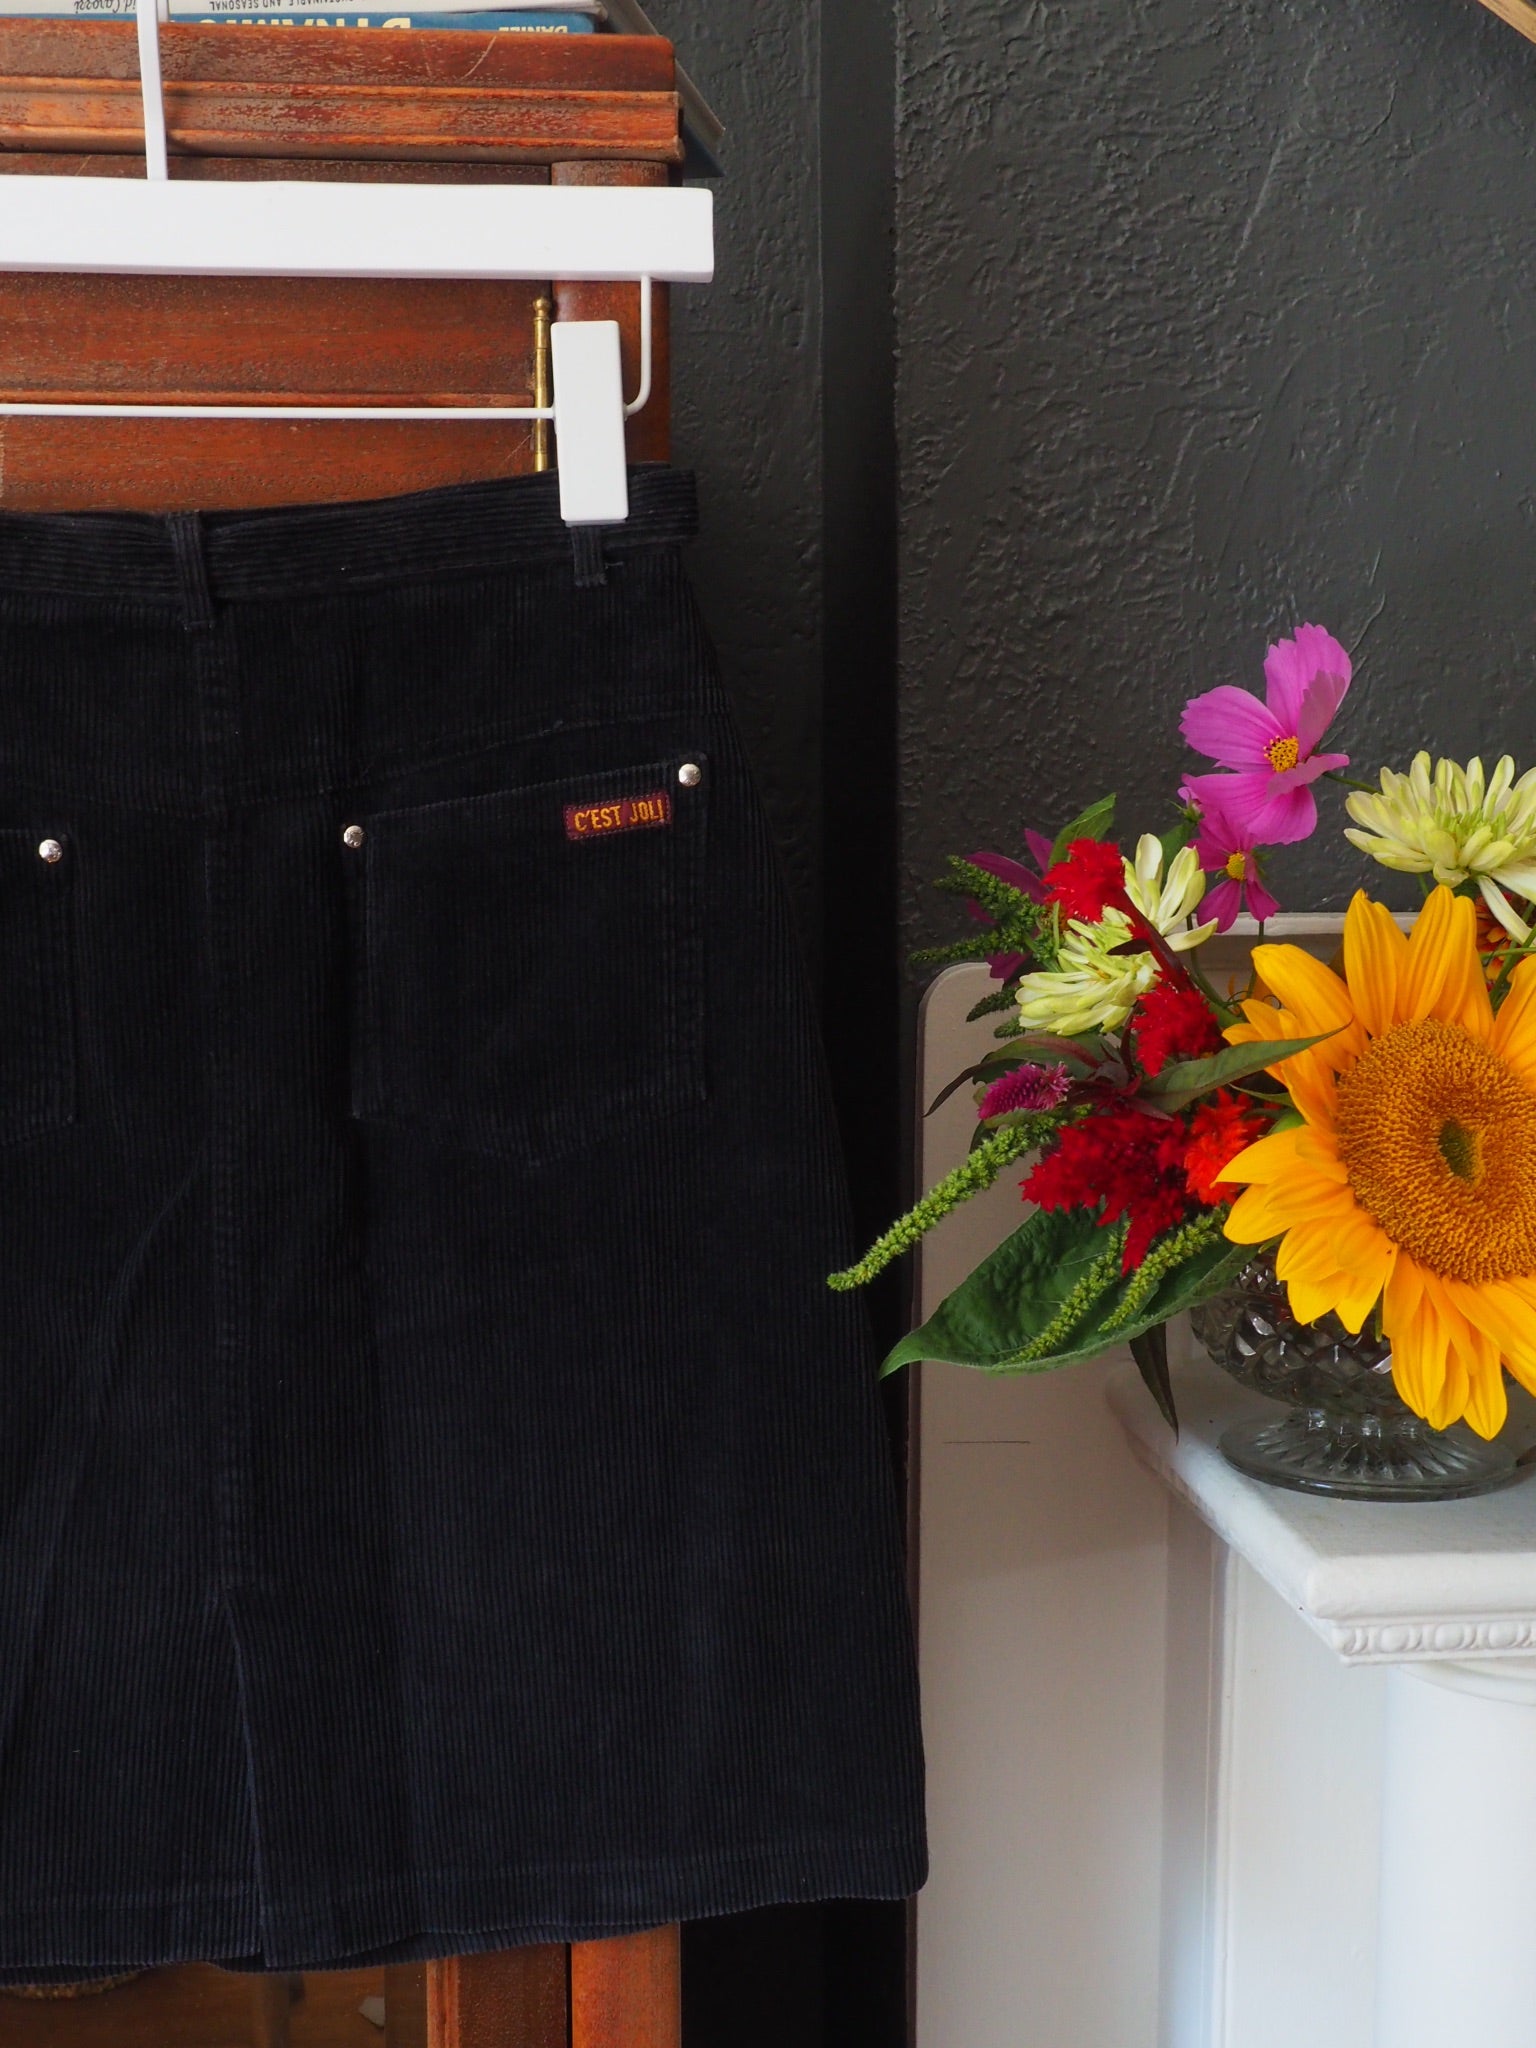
x: 441, y: 1505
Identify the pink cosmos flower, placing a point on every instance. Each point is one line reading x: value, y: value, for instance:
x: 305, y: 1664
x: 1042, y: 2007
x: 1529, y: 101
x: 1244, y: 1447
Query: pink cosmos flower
x: 1271, y: 745
x: 1228, y: 850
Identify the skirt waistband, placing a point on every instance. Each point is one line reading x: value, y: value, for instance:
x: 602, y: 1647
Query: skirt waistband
x: 139, y: 558
x: 197, y: 662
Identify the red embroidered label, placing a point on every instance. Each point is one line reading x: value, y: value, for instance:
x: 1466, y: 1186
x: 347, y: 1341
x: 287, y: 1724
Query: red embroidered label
x: 622, y: 814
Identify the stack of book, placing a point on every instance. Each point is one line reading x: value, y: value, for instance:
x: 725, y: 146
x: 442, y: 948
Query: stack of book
x: 702, y: 129
x: 511, y: 17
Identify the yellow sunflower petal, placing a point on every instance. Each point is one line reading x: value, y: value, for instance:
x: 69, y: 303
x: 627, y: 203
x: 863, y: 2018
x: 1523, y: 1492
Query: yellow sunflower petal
x: 1311, y: 1298
x: 1487, y: 1403
x: 1506, y: 1310
x: 1267, y: 1158
x: 1309, y: 1080
x: 1313, y: 993
x: 1418, y: 1345
x: 1248, y: 1220
x: 1307, y: 1256
x: 1261, y: 1020
x: 1463, y: 1349
x: 1283, y: 1204
x: 1487, y: 1408
x: 1514, y: 1028
x: 1366, y: 1257
x: 1444, y: 974
x: 1374, y: 954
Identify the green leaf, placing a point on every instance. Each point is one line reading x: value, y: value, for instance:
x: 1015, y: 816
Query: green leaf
x: 1187, y: 1080
x: 1150, y: 1351
x: 1018, y: 1291
x: 1090, y: 824
x: 1174, y: 841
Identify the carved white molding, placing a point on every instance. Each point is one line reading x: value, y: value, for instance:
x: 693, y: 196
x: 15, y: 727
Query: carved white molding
x: 1445, y: 1582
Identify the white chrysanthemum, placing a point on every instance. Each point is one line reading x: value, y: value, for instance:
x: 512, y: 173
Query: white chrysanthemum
x: 1457, y: 825
x: 1093, y: 985
x: 1167, y: 904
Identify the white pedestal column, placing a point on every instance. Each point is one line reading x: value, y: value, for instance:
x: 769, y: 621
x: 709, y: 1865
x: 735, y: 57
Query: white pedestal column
x: 1457, y: 1957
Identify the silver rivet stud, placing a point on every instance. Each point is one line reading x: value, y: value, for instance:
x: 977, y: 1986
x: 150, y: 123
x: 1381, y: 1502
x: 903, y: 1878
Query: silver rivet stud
x: 50, y: 851
x: 690, y: 775
x: 353, y: 837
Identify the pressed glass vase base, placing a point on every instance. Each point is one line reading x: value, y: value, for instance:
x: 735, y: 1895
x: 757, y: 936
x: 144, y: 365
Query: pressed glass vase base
x: 1361, y: 1458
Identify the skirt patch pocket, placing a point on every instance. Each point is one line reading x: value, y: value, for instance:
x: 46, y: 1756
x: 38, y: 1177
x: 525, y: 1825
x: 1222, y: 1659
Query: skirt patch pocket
x: 528, y: 979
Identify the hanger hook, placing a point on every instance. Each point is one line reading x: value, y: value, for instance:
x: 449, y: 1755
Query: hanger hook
x: 150, y: 84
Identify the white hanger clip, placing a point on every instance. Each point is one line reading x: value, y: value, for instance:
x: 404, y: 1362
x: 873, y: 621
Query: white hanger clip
x: 158, y: 227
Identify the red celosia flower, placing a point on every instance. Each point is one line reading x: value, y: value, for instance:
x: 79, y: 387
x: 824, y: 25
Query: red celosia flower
x: 1029, y: 1087
x: 1090, y: 879
x: 1171, y: 1023
x: 1132, y: 1162
x: 1218, y: 1131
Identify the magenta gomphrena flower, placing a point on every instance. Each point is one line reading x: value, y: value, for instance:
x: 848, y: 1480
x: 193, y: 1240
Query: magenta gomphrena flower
x: 1227, y: 850
x: 1271, y: 746
x: 1030, y: 1088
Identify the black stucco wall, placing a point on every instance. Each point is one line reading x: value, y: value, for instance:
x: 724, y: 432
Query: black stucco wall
x: 747, y: 377
x: 784, y: 380
x: 1214, y: 315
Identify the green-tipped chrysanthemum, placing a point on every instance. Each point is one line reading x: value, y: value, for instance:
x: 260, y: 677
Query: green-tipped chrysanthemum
x: 1094, y: 986
x: 1457, y: 825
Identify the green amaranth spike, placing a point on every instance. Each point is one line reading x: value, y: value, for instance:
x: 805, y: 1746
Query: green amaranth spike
x: 1095, y: 1283
x: 976, y: 1173
x: 1160, y: 1262
x: 953, y: 955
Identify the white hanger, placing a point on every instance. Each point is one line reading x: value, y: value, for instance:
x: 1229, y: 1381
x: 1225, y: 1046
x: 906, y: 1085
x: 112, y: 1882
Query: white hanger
x: 613, y: 234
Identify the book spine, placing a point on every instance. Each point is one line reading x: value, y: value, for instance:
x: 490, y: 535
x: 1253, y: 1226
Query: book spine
x: 518, y: 25
x: 574, y: 16
x: 522, y: 24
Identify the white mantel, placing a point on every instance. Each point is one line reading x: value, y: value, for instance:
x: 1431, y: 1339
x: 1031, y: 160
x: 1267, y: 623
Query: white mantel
x: 1350, y: 1866
x: 1380, y: 1583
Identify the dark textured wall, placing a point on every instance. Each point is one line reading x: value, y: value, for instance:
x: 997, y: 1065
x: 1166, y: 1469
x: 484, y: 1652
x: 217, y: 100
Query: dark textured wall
x: 747, y: 377
x: 784, y: 382
x: 1214, y: 315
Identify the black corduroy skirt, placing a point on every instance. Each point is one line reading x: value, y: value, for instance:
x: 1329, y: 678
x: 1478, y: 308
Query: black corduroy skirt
x: 441, y: 1505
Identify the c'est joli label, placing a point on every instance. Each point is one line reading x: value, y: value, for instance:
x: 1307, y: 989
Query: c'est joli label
x: 618, y: 814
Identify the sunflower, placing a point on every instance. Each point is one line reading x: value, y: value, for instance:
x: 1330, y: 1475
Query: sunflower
x: 1411, y: 1179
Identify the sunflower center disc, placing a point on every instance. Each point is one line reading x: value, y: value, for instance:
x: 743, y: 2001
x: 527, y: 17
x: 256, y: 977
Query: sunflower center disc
x: 1439, y: 1138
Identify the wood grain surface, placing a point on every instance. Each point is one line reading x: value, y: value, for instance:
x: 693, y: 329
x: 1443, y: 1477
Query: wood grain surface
x: 200, y: 2007
x: 252, y: 169
x: 342, y: 93
x: 513, y: 1999
x: 626, y: 1993
x: 491, y: 124
x: 231, y: 53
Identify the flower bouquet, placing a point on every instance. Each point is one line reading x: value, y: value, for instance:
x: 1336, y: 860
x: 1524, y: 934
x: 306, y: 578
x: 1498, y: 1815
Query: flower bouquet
x: 1369, y: 1127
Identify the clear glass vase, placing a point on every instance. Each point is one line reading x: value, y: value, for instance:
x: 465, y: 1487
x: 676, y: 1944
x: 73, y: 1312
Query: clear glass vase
x: 1348, y: 1434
